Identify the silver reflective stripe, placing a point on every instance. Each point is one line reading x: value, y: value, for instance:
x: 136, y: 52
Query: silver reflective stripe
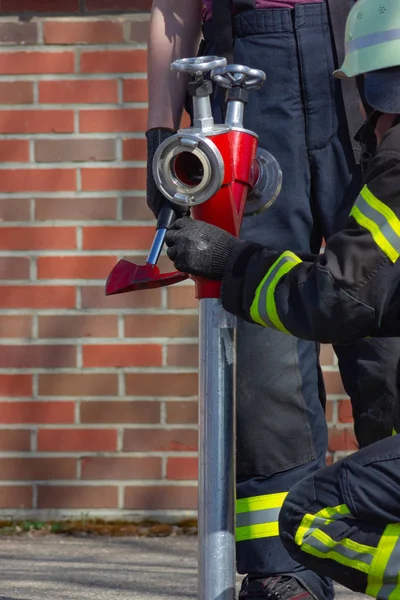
x: 256, y: 517
x: 340, y: 549
x: 392, y: 574
x: 373, y: 39
x: 380, y: 220
x: 262, y: 301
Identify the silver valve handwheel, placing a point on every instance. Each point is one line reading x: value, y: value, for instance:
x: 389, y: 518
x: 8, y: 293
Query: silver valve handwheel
x: 198, y: 65
x: 238, y: 76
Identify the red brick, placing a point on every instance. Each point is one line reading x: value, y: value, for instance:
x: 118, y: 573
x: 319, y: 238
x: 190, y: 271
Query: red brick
x: 77, y: 326
x: 15, y: 440
x: 15, y: 326
x: 78, y: 384
x: 13, y: 33
x: 75, y: 267
x: 168, y: 326
x: 136, y: 209
x: 182, y: 355
x: 75, y: 209
x: 37, y: 469
x: 83, y: 32
x: 160, y: 497
x: 341, y: 440
x: 82, y: 150
x: 94, y: 91
x: 120, y: 412
x: 135, y: 90
x: 182, y: 412
x: 16, y: 92
x: 345, y: 412
x: 122, y: 355
x: 14, y: 150
x: 162, y: 384
x: 329, y: 459
x: 327, y: 356
x: 125, y: 5
x: 41, y: 180
x: 333, y: 383
x: 77, y: 440
x: 139, y: 29
x: 31, y: 357
x: 134, y: 149
x: 329, y: 411
x: 14, y: 268
x: 114, y: 61
x: 15, y: 209
x: 36, y: 121
x: 96, y: 180
x: 113, y: 120
x: 182, y: 297
x: 38, y: 238
x: 37, y: 412
x: 160, y: 440
x: 94, y: 297
x: 34, y: 296
x: 78, y: 496
x: 15, y: 385
x: 182, y: 468
x: 115, y: 238
x: 40, y: 6
x: 121, y: 468
x: 30, y: 63
x: 18, y: 496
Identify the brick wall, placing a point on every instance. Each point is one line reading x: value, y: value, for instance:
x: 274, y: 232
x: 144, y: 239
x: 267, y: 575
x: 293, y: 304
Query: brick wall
x: 98, y: 395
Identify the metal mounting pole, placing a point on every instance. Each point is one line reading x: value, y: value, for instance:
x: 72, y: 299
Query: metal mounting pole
x: 217, y: 441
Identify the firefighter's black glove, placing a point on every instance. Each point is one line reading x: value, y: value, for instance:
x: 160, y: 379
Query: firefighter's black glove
x: 155, y: 137
x: 200, y: 249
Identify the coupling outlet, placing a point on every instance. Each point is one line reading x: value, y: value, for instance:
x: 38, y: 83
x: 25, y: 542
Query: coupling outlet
x: 188, y: 168
x: 268, y: 183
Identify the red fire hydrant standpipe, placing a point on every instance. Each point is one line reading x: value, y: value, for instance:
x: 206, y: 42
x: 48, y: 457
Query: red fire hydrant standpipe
x: 220, y: 174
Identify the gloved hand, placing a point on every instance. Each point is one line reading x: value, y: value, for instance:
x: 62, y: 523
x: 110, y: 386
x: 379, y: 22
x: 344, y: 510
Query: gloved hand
x: 155, y: 137
x: 199, y: 248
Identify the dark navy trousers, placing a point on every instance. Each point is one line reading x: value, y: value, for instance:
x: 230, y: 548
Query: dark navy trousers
x: 281, y: 428
x: 344, y: 520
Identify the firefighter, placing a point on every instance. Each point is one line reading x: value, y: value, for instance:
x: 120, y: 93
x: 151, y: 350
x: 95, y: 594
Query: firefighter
x: 300, y: 118
x: 343, y: 521
x: 352, y: 289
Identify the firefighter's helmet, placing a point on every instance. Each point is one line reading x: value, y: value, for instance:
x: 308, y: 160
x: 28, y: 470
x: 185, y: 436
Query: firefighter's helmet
x: 372, y: 49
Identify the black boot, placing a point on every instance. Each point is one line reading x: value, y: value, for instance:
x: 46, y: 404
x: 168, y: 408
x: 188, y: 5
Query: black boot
x: 278, y: 587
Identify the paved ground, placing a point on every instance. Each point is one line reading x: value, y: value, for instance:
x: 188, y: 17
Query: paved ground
x: 58, y: 568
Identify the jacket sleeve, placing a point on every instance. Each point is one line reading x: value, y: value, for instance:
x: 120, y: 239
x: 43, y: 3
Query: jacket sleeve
x: 338, y: 296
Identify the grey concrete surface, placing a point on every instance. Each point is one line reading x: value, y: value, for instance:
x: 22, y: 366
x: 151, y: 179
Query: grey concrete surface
x: 58, y: 568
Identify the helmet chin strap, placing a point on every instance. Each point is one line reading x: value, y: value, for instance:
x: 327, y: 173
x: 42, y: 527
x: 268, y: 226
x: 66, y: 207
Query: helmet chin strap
x: 366, y: 134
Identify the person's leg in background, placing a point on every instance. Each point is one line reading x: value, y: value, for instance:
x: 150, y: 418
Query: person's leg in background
x: 281, y: 427
x: 344, y: 520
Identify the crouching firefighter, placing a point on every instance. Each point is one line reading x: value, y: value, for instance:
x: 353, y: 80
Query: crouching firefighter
x: 343, y: 521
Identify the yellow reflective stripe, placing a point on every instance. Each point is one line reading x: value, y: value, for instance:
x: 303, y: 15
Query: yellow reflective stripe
x: 345, y: 542
x: 377, y: 569
x: 267, y: 289
x: 260, y: 502
x: 329, y: 513
x: 376, y: 233
x: 339, y: 558
x: 380, y: 220
x: 254, y: 532
x: 378, y: 205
